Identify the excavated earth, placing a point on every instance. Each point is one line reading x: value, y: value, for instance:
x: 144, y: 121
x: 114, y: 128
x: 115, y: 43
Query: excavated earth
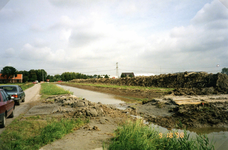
x: 103, y: 121
x: 197, y: 113
x: 168, y: 111
x: 171, y: 111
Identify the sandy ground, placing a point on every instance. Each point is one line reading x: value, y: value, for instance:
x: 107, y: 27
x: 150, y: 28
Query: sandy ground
x: 91, y: 136
x: 31, y: 95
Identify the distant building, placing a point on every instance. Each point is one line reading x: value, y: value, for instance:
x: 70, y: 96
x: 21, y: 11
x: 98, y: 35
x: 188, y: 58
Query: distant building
x: 132, y: 74
x: 128, y: 74
x: 17, y: 79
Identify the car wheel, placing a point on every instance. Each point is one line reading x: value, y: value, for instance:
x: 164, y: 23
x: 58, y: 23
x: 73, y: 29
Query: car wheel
x: 23, y: 100
x: 3, y: 121
x: 12, y: 114
x: 18, y: 102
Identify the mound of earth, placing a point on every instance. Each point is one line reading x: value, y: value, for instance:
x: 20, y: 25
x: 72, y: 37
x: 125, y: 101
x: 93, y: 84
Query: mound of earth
x: 75, y: 107
x: 187, y: 83
x: 166, y: 113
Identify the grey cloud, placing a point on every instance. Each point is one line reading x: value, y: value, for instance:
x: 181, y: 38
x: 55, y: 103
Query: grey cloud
x: 210, y: 13
x: 78, y: 38
x: 72, y: 3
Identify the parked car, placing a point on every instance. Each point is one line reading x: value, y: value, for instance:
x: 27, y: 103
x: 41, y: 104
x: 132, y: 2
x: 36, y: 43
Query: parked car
x: 14, y: 91
x: 6, y: 107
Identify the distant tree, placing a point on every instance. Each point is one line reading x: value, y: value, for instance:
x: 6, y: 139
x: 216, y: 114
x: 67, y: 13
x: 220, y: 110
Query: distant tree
x: 98, y: 76
x: 57, y: 77
x: 106, y: 76
x: 32, y: 75
x: 225, y: 71
x: 9, y: 72
x: 25, y: 78
x: 95, y: 76
x: 130, y: 75
x: 123, y: 76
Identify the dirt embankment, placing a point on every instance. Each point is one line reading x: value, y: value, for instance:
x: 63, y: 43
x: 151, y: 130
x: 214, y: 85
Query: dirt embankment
x: 104, y: 120
x: 134, y: 93
x: 172, y: 111
x: 184, y: 83
x: 165, y: 112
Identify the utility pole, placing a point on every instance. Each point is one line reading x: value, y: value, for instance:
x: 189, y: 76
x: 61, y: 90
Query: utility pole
x: 117, y: 74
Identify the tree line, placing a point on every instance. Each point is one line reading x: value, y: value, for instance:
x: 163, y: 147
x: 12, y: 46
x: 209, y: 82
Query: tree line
x: 41, y: 75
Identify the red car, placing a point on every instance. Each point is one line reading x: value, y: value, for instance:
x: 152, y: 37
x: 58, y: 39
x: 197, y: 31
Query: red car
x: 6, y: 107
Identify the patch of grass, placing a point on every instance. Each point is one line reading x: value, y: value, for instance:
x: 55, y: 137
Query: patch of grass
x: 24, y: 86
x: 52, y: 89
x: 33, y: 132
x: 126, y: 87
x: 135, y: 135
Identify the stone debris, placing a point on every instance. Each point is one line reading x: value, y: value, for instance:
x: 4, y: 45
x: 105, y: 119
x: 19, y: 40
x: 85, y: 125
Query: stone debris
x: 78, y: 107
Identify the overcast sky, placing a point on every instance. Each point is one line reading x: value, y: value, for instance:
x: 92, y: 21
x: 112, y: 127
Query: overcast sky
x: 90, y: 36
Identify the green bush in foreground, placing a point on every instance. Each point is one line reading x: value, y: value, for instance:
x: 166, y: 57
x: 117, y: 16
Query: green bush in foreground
x: 27, y: 135
x: 52, y: 89
x: 136, y: 136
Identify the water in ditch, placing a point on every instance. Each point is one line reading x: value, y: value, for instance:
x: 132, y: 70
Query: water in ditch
x: 218, y: 135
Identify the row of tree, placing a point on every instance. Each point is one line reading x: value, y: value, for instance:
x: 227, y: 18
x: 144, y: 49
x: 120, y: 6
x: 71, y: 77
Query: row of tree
x: 67, y: 76
x: 41, y: 75
x: 33, y: 75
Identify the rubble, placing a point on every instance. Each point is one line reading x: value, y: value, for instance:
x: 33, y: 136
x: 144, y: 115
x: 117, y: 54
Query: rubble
x: 77, y: 107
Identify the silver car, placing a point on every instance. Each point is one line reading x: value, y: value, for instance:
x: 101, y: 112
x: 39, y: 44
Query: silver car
x: 14, y: 91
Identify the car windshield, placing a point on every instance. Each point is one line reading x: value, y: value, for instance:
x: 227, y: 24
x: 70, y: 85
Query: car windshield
x: 9, y: 88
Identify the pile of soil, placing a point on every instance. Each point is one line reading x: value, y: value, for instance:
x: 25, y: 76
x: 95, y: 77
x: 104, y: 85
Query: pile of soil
x: 104, y: 120
x: 75, y: 107
x: 192, y: 83
x: 171, y: 115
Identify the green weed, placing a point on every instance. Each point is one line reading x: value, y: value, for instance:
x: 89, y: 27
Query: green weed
x: 52, y: 89
x: 33, y: 134
x: 135, y: 135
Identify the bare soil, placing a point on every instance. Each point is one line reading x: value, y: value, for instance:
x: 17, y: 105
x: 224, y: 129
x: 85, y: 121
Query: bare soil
x: 171, y: 111
x: 104, y: 120
x: 165, y: 110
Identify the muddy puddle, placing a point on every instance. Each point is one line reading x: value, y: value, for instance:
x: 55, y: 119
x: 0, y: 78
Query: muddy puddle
x: 95, y: 96
x: 218, y: 135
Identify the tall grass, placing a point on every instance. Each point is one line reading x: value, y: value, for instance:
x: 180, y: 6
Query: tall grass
x: 33, y: 133
x: 136, y: 136
x: 52, y: 89
x: 25, y: 86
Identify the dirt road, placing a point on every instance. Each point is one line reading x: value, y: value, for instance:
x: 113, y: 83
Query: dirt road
x: 31, y: 94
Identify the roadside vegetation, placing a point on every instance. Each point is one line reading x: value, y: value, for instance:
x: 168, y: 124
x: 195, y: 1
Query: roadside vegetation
x: 31, y: 133
x: 48, y: 89
x: 24, y: 86
x: 136, y: 135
